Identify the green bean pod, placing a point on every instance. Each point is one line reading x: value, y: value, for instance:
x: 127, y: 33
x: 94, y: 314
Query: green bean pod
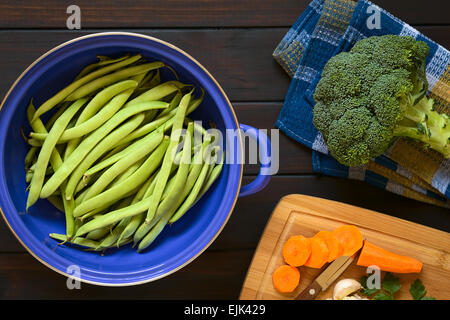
x: 111, y: 78
x: 46, y: 151
x: 102, y: 147
x: 168, y: 158
x: 153, y: 141
x: 90, y: 119
x: 98, y: 234
x: 103, y: 61
x: 61, y: 95
x: 78, y: 240
x: 179, y: 183
x: 133, y: 181
x: 175, y: 102
x: 90, y: 141
x: 136, y: 220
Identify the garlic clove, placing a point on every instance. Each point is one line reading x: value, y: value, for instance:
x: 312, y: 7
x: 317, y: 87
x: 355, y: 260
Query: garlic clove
x: 345, y: 288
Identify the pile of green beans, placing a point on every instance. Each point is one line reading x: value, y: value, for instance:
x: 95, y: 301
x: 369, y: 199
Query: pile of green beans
x: 118, y: 155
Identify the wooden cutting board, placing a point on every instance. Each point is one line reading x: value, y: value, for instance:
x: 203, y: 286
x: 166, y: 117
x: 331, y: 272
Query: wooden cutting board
x: 305, y: 215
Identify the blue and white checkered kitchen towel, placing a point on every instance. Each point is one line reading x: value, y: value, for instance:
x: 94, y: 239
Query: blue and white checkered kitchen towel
x: 328, y: 27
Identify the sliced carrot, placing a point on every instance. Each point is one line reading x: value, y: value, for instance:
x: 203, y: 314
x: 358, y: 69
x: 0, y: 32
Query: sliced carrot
x: 332, y: 244
x: 387, y: 261
x: 286, y: 278
x: 296, y: 250
x: 350, y: 239
x: 319, y: 253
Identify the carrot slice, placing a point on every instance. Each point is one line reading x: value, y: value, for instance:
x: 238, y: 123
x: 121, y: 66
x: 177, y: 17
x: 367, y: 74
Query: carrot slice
x: 296, y: 250
x: 350, y: 239
x: 332, y: 244
x: 386, y: 260
x: 286, y: 278
x: 319, y: 253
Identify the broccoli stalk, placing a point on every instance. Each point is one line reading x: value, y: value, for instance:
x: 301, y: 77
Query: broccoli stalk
x: 421, y: 122
x: 372, y: 95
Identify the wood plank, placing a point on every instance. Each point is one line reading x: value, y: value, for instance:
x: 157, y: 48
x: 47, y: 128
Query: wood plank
x: 304, y: 215
x: 23, y: 277
x: 201, y: 13
x: 240, y: 59
x: 251, y: 213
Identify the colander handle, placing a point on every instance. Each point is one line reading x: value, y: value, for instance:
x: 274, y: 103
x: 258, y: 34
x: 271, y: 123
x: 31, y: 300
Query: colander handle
x: 265, y: 170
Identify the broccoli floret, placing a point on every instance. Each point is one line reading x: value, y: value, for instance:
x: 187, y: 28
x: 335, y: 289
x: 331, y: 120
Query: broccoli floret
x: 372, y: 95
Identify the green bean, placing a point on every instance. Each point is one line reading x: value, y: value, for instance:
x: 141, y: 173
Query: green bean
x: 56, y: 162
x: 136, y: 220
x: 57, y: 114
x: 133, y: 181
x: 30, y: 172
x: 157, y: 209
x: 212, y: 177
x: 114, y: 150
x: 98, y: 234
x: 141, y: 78
x: 99, y: 100
x: 155, y: 80
x: 114, y: 234
x: 147, y: 128
x: 116, y: 215
x: 166, y: 121
x: 69, y: 206
x: 31, y: 156
x: 78, y: 241
x: 168, y: 158
x: 191, y: 199
x: 28, y: 176
x: 161, y: 220
x: 79, y: 198
x: 34, y: 142
x: 173, y: 104
x: 47, y: 148
x: 157, y: 92
x: 152, y: 142
x: 55, y: 158
x: 111, y: 78
x: 90, y: 119
x: 61, y: 95
x: 102, y: 147
x: 109, y: 160
x: 113, y: 216
x: 90, y: 141
x: 103, y: 61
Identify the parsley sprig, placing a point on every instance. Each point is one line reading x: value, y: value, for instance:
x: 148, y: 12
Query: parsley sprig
x: 390, y: 285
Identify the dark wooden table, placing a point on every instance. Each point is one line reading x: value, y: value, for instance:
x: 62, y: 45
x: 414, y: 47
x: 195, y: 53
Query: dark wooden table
x: 234, y: 39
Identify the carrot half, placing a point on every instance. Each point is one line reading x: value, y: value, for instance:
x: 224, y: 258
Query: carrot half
x: 296, y: 250
x: 349, y: 238
x: 333, y: 245
x: 386, y: 260
x: 286, y: 278
x: 319, y: 253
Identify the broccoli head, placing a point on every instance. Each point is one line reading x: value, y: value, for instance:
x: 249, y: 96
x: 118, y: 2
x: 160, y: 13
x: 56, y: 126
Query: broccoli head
x: 375, y: 93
